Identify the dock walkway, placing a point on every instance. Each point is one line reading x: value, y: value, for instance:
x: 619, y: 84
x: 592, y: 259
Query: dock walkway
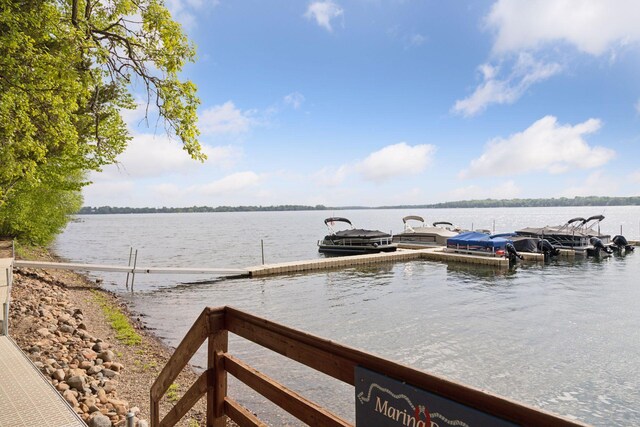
x: 434, y: 254
x: 27, y: 399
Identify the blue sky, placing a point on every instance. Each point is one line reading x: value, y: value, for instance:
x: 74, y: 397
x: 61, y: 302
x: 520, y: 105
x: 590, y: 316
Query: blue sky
x: 385, y: 102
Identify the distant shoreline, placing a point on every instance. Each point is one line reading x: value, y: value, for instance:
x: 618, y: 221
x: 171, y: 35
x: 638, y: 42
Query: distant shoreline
x: 486, y: 203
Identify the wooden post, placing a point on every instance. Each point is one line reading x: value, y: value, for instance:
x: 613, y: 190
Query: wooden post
x: 155, y: 411
x: 217, y: 387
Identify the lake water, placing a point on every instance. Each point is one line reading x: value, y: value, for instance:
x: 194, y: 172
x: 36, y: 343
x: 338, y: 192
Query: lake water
x: 564, y: 336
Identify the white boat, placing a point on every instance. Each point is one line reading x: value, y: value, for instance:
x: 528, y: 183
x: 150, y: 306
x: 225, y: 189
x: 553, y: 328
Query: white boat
x: 424, y: 235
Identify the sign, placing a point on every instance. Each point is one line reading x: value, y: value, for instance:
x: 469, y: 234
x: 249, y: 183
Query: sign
x: 384, y: 402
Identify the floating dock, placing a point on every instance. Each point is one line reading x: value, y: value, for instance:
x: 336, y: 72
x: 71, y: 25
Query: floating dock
x: 433, y: 254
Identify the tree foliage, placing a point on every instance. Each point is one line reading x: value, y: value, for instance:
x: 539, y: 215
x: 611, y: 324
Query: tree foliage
x: 67, y: 68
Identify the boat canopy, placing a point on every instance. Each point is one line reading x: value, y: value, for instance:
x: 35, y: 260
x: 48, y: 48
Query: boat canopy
x: 579, y: 218
x: 337, y: 219
x: 474, y: 238
x: 412, y: 217
x: 595, y: 217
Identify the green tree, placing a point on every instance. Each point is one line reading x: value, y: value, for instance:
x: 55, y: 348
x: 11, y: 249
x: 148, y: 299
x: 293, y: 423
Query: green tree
x: 67, y: 68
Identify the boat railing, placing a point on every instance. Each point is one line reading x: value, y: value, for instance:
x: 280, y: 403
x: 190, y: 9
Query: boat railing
x: 214, y: 325
x: 358, y: 242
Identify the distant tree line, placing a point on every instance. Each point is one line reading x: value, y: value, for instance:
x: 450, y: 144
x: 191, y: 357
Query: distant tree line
x: 486, y: 203
x: 87, y: 210
x: 553, y: 202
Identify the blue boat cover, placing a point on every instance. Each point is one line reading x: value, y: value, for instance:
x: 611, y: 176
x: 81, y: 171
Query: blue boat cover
x: 473, y: 238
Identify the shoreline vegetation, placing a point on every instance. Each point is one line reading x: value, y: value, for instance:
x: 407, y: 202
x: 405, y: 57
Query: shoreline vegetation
x: 98, y: 355
x: 486, y: 203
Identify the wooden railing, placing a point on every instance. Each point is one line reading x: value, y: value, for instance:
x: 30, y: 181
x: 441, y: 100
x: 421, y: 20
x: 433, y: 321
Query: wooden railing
x: 320, y: 354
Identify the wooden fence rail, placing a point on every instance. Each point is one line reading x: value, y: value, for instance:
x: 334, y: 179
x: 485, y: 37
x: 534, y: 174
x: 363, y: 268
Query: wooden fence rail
x: 333, y: 359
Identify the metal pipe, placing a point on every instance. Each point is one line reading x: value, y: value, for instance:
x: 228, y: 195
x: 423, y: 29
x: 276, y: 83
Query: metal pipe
x: 262, y: 249
x: 5, y: 305
x: 133, y: 274
x: 130, y: 419
x: 130, y: 253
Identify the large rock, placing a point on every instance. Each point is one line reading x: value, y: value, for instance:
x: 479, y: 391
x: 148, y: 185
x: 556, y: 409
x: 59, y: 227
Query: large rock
x: 58, y: 375
x: 76, y: 382
x: 68, y: 329
x: 75, y: 372
x: 108, y: 373
x: 102, y: 396
x: 100, y: 346
x: 99, y: 420
x: 94, y: 370
x: 70, y: 397
x: 106, y: 356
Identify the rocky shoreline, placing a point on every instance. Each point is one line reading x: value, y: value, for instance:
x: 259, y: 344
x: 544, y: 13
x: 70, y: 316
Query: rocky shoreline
x: 58, y: 320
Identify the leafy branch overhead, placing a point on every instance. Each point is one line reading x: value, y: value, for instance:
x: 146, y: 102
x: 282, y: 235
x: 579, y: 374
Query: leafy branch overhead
x: 138, y: 39
x: 67, y: 69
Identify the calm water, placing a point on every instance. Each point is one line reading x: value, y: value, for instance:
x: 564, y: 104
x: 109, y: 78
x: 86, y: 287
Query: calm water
x: 563, y: 336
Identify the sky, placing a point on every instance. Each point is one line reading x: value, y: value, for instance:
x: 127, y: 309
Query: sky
x: 395, y: 102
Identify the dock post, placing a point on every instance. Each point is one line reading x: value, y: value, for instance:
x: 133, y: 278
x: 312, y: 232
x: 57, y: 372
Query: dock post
x: 262, y: 249
x: 133, y: 272
x: 129, y: 264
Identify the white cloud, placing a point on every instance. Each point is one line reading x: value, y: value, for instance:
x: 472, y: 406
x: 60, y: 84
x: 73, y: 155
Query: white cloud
x: 134, y: 117
x: 230, y: 184
x: 396, y: 160
x: 638, y: 107
x: 591, y: 26
x: 186, y: 11
x: 95, y: 193
x: 225, y: 118
x: 323, y: 12
x: 494, y: 90
x: 331, y: 176
x: 294, y: 99
x: 149, y: 155
x: 408, y: 39
x: 525, y: 29
x: 504, y: 190
x: 416, y: 40
x: 544, y: 146
x: 635, y: 176
x: 167, y: 191
x: 596, y: 184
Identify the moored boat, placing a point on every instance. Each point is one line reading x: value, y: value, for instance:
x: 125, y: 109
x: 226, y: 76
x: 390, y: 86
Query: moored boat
x: 476, y: 243
x: 354, y: 241
x: 424, y: 235
x: 578, y: 234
